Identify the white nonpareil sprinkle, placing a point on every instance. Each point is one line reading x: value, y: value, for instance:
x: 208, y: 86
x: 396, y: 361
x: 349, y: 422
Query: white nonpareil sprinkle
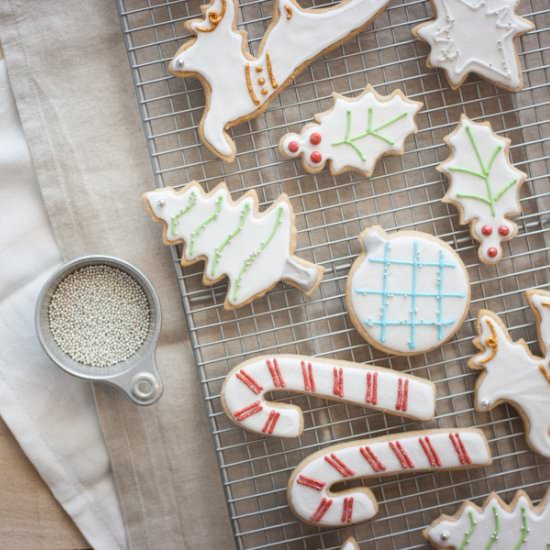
x: 99, y: 316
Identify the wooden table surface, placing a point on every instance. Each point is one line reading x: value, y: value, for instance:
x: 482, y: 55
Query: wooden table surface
x: 30, y: 517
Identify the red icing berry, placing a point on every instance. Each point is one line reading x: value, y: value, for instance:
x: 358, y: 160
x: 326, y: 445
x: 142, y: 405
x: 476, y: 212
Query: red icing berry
x: 293, y: 146
x: 504, y: 230
x: 315, y: 138
x: 486, y: 230
x: 492, y: 252
x: 316, y: 157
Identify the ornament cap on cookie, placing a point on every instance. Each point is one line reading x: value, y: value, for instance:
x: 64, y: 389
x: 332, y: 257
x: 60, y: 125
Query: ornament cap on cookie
x: 354, y: 133
x: 483, y: 185
x: 408, y: 292
x: 475, y: 36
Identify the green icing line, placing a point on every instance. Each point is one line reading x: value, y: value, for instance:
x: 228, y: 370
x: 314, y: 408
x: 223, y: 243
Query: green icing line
x: 227, y: 241
x: 213, y: 217
x: 254, y: 255
x: 524, y: 530
x: 490, y: 199
x: 494, y: 537
x: 470, y: 532
x: 370, y: 131
x: 175, y: 220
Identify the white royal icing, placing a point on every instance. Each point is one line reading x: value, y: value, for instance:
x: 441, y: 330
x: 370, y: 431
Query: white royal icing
x: 244, y: 390
x: 495, y: 526
x: 240, y: 85
x: 408, y: 292
x: 254, y: 250
x: 309, y: 491
x: 512, y: 373
x: 475, y: 36
x: 350, y: 544
x: 484, y: 185
x: 355, y: 133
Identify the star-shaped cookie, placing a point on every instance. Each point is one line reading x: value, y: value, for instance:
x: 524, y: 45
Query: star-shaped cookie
x: 475, y: 36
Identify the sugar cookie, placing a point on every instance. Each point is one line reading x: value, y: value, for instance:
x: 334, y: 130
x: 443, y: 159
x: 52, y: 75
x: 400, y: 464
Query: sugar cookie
x: 350, y: 544
x: 511, y: 373
x: 310, y: 494
x: 355, y: 133
x: 408, y: 292
x: 475, y: 36
x: 238, y: 85
x: 484, y: 185
x: 244, y: 389
x: 254, y: 250
x: 494, y: 526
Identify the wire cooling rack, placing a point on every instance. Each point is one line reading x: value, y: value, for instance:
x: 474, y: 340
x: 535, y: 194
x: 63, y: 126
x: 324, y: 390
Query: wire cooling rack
x: 404, y: 192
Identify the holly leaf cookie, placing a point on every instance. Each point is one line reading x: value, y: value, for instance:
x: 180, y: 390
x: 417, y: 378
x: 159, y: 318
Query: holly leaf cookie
x: 355, y: 133
x: 484, y: 185
x: 475, y: 36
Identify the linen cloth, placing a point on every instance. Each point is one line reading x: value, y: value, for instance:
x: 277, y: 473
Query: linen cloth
x: 53, y: 416
x: 69, y: 72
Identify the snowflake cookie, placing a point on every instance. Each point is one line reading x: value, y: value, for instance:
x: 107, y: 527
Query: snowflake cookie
x: 484, y: 185
x: 254, y: 250
x: 355, y: 133
x: 511, y: 373
x: 475, y: 36
x: 408, y: 292
x: 494, y: 526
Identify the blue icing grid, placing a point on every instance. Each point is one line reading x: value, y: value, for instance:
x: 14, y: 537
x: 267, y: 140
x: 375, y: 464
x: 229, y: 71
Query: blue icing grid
x: 386, y: 293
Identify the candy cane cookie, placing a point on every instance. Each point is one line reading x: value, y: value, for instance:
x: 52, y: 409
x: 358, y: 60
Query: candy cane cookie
x: 375, y: 387
x: 309, y: 488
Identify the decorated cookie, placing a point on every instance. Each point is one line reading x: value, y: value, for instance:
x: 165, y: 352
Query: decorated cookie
x: 350, y: 544
x: 238, y: 85
x: 355, y: 133
x: 475, y: 36
x: 511, y: 373
x: 254, y: 250
x: 408, y: 292
x: 484, y: 185
x: 313, y: 500
x: 244, y: 389
x: 494, y: 526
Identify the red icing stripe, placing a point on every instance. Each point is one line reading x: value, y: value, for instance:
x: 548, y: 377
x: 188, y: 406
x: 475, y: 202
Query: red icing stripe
x: 401, y: 455
x: 375, y: 389
x: 347, y: 510
x: 271, y: 422
x: 324, y: 505
x: 249, y: 381
x: 405, y: 402
x: 310, y: 482
x: 372, y: 388
x: 430, y: 452
x: 339, y: 466
x: 255, y: 408
x: 338, y: 387
x: 372, y: 459
x: 460, y: 449
x: 307, y: 374
x: 275, y: 372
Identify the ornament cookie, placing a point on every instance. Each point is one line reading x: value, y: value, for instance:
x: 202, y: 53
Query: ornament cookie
x: 408, y: 292
x: 355, y: 133
x: 310, y: 495
x: 238, y: 85
x: 244, y: 389
x: 511, y: 373
x: 254, y: 250
x: 484, y: 185
x: 475, y: 36
x: 494, y: 526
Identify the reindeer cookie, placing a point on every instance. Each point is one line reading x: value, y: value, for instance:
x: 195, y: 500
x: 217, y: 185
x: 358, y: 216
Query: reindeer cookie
x: 254, y: 250
x: 238, y: 85
x: 313, y: 500
x: 355, y: 133
x: 375, y: 387
x: 511, y: 373
x: 494, y: 526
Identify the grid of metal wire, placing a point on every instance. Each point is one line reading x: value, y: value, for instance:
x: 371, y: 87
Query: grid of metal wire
x: 404, y: 192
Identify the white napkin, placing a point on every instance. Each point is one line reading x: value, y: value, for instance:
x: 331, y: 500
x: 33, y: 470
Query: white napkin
x: 36, y: 398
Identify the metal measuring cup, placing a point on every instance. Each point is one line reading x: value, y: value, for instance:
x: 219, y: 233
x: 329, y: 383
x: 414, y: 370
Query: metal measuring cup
x: 137, y: 376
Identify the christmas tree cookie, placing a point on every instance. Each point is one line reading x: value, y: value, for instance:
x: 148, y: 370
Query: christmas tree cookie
x: 254, y: 250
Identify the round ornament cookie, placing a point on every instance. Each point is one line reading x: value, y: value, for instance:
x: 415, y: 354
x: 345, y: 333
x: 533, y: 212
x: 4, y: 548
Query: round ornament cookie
x: 408, y: 292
